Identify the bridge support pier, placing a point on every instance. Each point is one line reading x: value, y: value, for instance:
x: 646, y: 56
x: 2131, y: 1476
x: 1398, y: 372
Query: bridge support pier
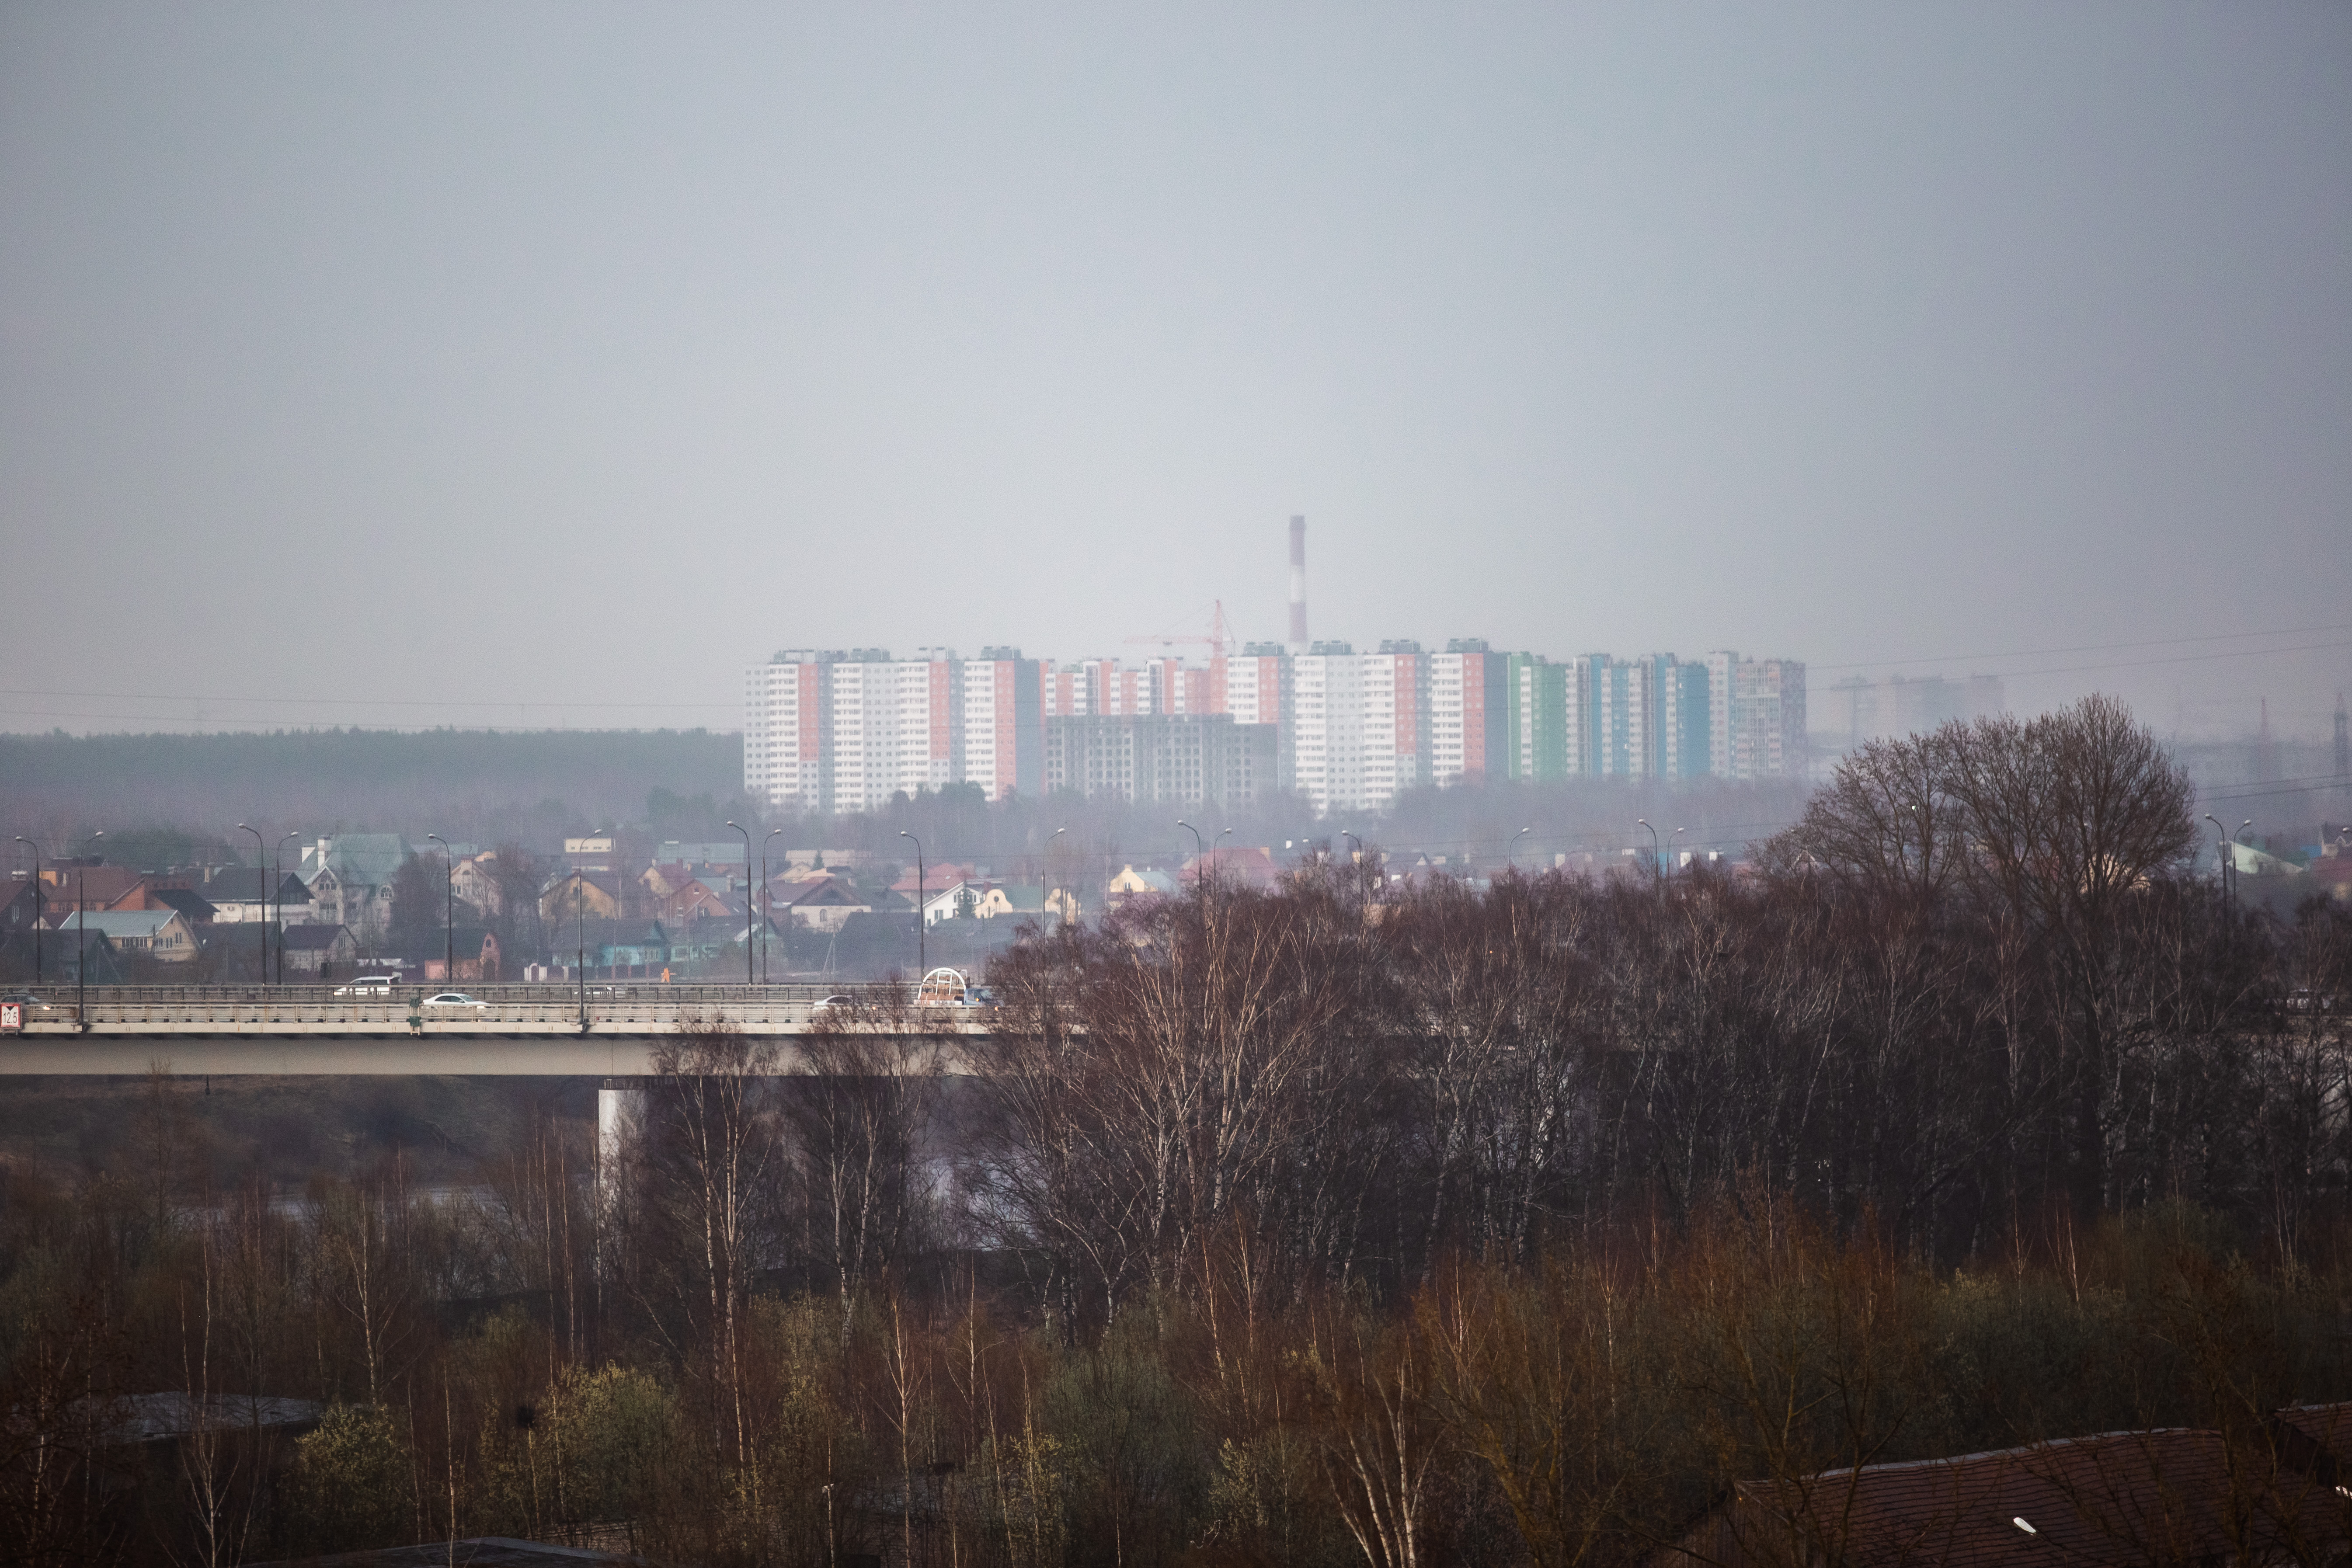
x: 619, y: 1103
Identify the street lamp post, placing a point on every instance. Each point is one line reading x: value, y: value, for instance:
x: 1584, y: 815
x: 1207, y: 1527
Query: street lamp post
x: 36, y: 907
x: 1511, y: 850
x: 745, y: 832
x: 1200, y: 879
x: 922, y: 950
x: 1046, y: 883
x: 2221, y: 856
x: 766, y: 906
x: 1655, y: 865
x: 1678, y: 845
x: 260, y: 849
x: 277, y: 886
x: 448, y: 910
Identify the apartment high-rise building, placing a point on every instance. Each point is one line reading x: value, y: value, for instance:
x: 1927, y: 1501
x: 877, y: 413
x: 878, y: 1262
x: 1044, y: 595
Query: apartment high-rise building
x: 1681, y: 748
x: 1258, y: 691
x: 1469, y: 716
x: 895, y: 726
x: 1003, y: 724
x: 1535, y: 718
x: 1624, y: 717
x: 1395, y: 687
x: 1719, y: 666
x: 1180, y: 687
x: 1169, y: 758
x: 1257, y: 684
x: 1768, y: 719
x: 785, y: 731
x: 1113, y: 688
x: 844, y: 731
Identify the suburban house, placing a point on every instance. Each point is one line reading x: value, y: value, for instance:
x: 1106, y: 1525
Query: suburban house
x: 820, y: 902
x: 350, y: 878
x: 21, y: 904
x: 665, y: 877
x: 58, y: 956
x: 617, y: 949
x: 162, y: 934
x: 241, y: 894
x: 475, y: 879
x: 317, y: 951
x: 71, y: 887
x: 475, y: 949
x: 689, y: 899
x: 1130, y: 882
x: 1250, y: 866
x: 194, y: 907
x: 983, y: 901
x: 596, y: 894
x: 709, y: 940
x: 945, y: 874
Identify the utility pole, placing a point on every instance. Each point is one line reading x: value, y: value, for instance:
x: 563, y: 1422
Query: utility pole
x: 922, y: 960
x: 260, y: 869
x: 745, y: 832
x: 20, y: 838
x: 767, y: 905
x: 1200, y: 881
x: 277, y: 886
x: 448, y: 910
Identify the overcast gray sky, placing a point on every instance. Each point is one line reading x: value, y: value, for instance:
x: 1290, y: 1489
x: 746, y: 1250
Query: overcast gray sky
x: 372, y: 364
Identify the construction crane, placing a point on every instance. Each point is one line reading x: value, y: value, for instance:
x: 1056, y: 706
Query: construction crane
x: 1217, y: 638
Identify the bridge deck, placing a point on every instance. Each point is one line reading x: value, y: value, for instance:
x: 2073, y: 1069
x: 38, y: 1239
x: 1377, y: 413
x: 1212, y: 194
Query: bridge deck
x: 525, y: 1030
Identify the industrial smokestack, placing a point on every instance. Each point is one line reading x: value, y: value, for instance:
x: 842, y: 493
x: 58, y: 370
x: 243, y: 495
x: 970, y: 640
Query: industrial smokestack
x: 1298, y: 583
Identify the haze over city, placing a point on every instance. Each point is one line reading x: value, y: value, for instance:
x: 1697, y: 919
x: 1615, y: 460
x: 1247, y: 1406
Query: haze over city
x: 1054, y: 786
x: 539, y: 366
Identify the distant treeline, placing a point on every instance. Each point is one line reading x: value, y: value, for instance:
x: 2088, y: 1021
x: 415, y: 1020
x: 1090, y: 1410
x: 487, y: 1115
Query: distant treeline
x: 170, y: 800
x: 1507, y: 1222
x: 530, y: 786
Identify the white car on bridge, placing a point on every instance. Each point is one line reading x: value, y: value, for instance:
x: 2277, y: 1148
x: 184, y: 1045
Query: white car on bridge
x: 453, y: 999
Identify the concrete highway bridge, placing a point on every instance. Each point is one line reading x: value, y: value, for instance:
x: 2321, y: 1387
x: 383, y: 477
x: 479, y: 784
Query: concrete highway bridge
x: 540, y: 1031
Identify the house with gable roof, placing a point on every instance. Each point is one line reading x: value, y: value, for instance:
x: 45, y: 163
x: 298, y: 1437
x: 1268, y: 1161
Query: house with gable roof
x: 820, y: 902
x: 350, y: 876
x: 163, y: 934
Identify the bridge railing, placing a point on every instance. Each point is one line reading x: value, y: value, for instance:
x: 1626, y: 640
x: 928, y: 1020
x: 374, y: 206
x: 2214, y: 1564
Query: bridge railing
x: 503, y: 1009
x: 601, y: 993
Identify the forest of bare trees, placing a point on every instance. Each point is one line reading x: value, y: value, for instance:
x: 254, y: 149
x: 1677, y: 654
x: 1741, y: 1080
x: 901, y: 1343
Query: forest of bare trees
x: 1344, y: 1222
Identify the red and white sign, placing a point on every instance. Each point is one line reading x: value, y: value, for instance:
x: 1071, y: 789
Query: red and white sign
x: 12, y: 1017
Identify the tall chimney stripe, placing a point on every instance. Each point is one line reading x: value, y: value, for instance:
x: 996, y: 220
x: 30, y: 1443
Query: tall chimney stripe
x: 1298, y: 580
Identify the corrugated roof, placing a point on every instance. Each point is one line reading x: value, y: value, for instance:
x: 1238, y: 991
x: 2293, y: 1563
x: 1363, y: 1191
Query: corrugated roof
x: 119, y: 925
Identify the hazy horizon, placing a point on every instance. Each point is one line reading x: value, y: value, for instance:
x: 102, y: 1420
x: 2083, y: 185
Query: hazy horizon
x: 545, y: 366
